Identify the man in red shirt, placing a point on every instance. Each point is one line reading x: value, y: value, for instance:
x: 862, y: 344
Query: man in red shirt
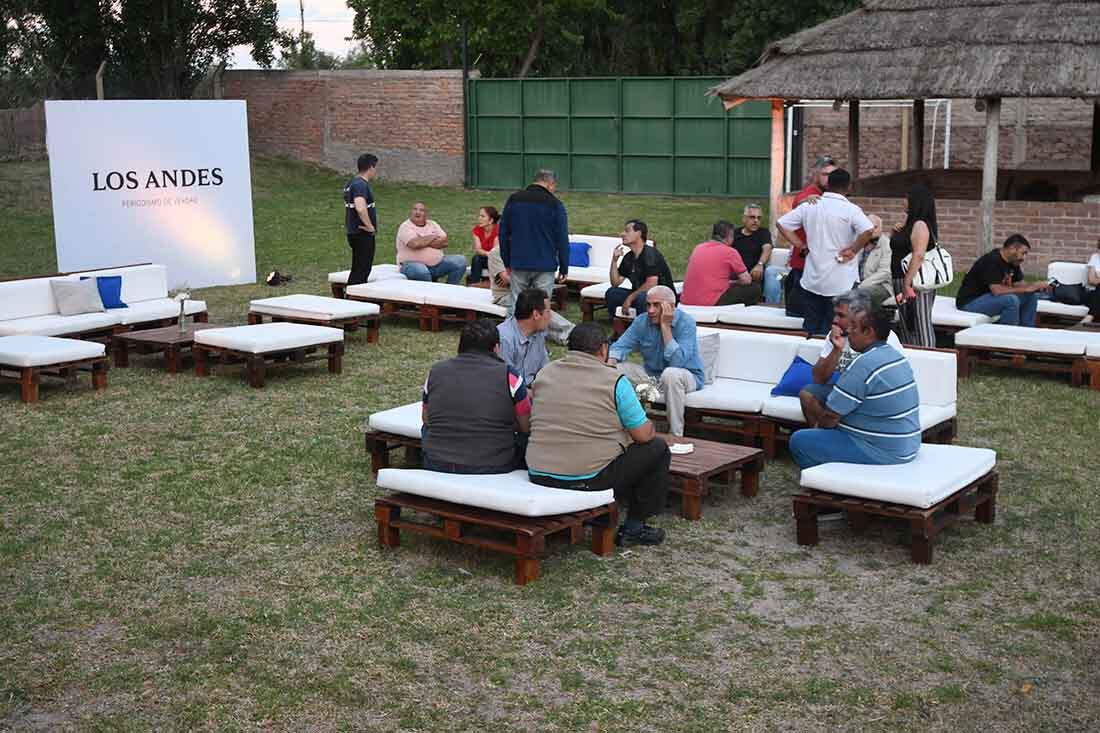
x: 819, y: 178
x: 716, y: 274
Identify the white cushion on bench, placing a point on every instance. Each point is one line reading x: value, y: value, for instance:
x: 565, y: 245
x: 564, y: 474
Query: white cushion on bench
x: 405, y: 291
x: 32, y: 351
x: 1092, y: 350
x: 315, y: 307
x: 459, y: 296
x: 26, y: 299
x: 405, y: 420
x: 592, y: 275
x: 58, y: 325
x: 1042, y: 340
x: 936, y: 373
x: 937, y: 472
x: 1062, y: 309
x: 761, y: 316
x: 756, y: 357
x: 734, y: 395
x: 139, y: 282
x: 263, y: 338
x: 512, y: 493
x: 790, y: 409
x: 599, y: 290
x: 377, y: 274
x: 1068, y: 273
x: 944, y: 313
x: 157, y: 309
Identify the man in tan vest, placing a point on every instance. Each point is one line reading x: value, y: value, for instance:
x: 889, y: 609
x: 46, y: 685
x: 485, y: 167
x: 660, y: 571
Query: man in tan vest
x: 589, y: 432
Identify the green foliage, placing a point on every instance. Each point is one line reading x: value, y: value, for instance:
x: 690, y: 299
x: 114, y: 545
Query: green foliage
x: 301, y: 53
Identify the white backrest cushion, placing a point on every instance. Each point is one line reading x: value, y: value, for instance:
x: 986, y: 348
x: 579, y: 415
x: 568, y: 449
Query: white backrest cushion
x: 1068, y: 273
x: 810, y: 349
x: 602, y: 247
x: 140, y: 282
x: 936, y: 375
x: 710, y: 344
x: 26, y: 299
x: 756, y: 357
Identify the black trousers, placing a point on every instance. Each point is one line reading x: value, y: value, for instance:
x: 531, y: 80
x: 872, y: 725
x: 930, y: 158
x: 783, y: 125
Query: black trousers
x: 746, y: 294
x: 362, y: 257
x: 639, y: 477
x: 479, y: 266
x: 1092, y: 300
x: 792, y: 291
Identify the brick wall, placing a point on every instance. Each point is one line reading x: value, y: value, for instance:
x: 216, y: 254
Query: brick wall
x: 1058, y: 231
x: 23, y: 133
x: 412, y: 120
x: 1035, y: 134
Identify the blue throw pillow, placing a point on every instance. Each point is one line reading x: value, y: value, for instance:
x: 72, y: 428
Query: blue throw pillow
x: 799, y: 374
x: 578, y: 254
x: 110, y: 290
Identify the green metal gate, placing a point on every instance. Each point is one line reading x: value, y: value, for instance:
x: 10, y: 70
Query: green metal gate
x: 630, y: 135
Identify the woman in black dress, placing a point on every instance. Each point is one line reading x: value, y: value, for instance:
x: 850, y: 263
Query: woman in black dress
x: 917, y: 236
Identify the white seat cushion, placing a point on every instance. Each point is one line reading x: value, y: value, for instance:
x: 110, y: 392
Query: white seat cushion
x: 1062, y: 309
x: 377, y: 274
x: 599, y: 290
x: 157, y: 309
x: 405, y: 291
x: 944, y: 313
x: 315, y: 307
x: 458, y: 296
x: 58, y: 325
x: 32, y: 351
x: 1041, y: 340
x: 405, y: 420
x: 1068, y: 273
x: 937, y: 472
x: 708, y: 313
x: 1092, y: 350
x: 761, y: 316
x: 733, y: 395
x: 512, y: 493
x: 935, y: 414
x: 783, y: 408
x: 263, y: 338
x: 588, y: 274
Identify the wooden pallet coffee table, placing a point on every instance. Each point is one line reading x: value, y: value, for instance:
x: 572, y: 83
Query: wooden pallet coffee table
x: 170, y: 339
x: 712, y: 460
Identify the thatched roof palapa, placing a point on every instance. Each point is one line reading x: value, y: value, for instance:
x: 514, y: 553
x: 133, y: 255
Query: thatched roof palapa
x: 921, y: 49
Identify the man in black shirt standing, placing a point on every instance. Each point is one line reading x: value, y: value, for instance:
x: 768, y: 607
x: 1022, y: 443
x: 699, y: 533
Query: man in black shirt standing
x: 994, y: 286
x: 361, y: 219
x: 755, y: 247
x: 644, y: 266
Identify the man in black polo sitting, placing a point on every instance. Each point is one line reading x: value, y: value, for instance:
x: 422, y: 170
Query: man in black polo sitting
x: 476, y: 410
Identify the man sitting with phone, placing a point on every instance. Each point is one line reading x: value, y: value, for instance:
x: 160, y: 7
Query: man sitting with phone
x: 501, y: 285
x: 670, y: 353
x: 643, y: 265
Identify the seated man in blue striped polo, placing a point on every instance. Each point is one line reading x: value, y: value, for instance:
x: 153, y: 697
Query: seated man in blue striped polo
x: 872, y: 414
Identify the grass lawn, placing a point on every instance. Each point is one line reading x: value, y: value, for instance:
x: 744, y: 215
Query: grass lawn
x: 185, y: 554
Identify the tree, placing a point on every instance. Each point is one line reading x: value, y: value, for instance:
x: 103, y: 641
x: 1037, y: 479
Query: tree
x: 301, y: 53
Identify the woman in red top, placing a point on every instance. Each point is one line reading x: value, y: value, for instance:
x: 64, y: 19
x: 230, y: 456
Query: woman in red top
x: 485, y: 240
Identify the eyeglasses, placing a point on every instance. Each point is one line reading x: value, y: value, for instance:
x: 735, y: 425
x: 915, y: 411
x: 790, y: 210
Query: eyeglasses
x: 754, y: 216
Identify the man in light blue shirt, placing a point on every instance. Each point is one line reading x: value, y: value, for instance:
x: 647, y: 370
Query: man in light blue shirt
x: 523, y: 335
x: 670, y: 352
x: 872, y: 415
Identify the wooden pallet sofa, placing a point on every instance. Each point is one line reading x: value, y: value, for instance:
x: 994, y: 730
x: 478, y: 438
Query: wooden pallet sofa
x: 931, y: 493
x: 26, y: 359
x: 28, y: 307
x: 338, y: 281
x: 759, y: 318
x: 1058, y: 315
x: 265, y: 345
x: 432, y: 304
x: 318, y: 310
x: 750, y: 364
x: 500, y: 512
x: 1052, y: 350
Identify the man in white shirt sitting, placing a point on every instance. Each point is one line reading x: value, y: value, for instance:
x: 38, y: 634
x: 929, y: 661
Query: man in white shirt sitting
x: 836, y: 230
x: 420, y: 245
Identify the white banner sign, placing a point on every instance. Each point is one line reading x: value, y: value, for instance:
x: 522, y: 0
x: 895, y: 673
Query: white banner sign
x: 166, y: 182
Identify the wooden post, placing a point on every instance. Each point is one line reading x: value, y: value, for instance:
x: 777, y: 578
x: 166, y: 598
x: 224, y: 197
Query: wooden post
x: 1095, y: 167
x: 778, y: 159
x: 989, y: 172
x: 99, y: 80
x: 853, y: 138
x: 917, y: 140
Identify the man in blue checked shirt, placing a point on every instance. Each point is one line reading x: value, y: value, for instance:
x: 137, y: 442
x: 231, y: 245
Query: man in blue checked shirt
x: 670, y: 353
x: 872, y: 414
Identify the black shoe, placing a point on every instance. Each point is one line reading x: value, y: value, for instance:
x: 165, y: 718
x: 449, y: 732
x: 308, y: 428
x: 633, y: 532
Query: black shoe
x: 646, y: 535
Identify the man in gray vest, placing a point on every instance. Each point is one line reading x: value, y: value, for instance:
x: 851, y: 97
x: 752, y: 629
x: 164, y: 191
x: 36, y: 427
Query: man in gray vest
x: 590, y: 433
x: 476, y: 410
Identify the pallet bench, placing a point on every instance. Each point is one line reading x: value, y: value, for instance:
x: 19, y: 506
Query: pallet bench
x: 26, y: 359
x: 524, y: 536
x: 431, y: 304
x: 1056, y: 351
x: 967, y: 481
x: 317, y: 310
x: 260, y: 346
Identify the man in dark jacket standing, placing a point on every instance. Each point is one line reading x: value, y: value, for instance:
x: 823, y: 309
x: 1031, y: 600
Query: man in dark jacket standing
x: 534, y: 237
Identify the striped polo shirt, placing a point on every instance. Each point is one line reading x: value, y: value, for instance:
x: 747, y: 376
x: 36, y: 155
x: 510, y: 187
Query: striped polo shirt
x: 876, y: 398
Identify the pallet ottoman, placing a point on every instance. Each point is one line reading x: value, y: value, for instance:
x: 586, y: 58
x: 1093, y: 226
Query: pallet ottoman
x: 318, y: 310
x: 504, y: 512
x: 1054, y: 350
x: 931, y: 493
x: 267, y: 344
x: 25, y: 359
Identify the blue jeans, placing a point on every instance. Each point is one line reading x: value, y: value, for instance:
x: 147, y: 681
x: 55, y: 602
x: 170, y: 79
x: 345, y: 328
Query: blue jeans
x: 453, y: 266
x: 818, y: 312
x: 1014, y: 309
x: 615, y: 297
x: 773, y: 285
x: 813, y: 446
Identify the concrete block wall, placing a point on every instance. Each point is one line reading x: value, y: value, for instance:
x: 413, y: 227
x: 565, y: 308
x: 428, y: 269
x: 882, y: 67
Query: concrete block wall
x: 412, y: 120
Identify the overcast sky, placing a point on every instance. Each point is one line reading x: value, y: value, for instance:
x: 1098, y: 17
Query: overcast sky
x: 328, y: 20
